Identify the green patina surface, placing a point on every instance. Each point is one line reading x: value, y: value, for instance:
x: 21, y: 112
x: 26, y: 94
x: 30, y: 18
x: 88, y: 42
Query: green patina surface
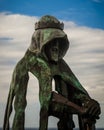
x: 44, y: 72
x: 36, y: 61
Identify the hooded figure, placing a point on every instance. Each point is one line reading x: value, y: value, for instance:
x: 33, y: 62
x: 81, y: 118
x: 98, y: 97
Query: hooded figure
x: 44, y: 59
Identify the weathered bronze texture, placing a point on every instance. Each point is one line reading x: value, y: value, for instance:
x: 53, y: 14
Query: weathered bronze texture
x: 44, y: 59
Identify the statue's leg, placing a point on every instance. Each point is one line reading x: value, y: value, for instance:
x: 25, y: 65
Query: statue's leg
x: 43, y: 119
x: 44, y: 96
x: 20, y: 80
x: 63, y: 113
x: 66, y: 123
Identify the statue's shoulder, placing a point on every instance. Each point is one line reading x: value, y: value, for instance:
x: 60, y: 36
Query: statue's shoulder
x: 64, y: 66
x: 43, y: 64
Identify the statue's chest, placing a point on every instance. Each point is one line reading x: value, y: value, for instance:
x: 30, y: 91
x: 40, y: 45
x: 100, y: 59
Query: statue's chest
x: 55, y: 70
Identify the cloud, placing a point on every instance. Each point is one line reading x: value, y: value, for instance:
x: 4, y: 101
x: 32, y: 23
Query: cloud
x: 85, y: 55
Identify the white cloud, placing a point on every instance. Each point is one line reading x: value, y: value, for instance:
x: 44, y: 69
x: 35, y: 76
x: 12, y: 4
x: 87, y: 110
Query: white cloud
x: 86, y: 52
x: 85, y: 55
x: 16, y: 25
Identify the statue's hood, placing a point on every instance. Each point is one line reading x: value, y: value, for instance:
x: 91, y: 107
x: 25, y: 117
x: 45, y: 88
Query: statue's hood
x: 41, y: 37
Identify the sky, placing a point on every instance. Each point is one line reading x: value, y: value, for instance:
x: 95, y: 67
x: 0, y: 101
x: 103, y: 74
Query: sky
x: 84, y: 25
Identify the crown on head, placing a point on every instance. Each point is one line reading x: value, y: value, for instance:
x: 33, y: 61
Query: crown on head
x: 49, y: 22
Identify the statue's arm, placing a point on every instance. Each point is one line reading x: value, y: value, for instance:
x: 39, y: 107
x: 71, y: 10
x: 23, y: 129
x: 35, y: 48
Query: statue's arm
x: 71, y: 79
x: 79, y: 93
x: 19, y: 73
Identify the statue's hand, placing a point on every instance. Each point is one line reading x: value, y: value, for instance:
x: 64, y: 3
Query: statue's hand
x: 92, y: 108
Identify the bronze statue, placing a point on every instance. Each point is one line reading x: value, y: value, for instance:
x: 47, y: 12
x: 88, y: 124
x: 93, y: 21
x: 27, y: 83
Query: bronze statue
x: 44, y: 59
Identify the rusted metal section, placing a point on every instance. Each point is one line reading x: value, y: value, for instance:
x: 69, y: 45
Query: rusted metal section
x: 61, y: 99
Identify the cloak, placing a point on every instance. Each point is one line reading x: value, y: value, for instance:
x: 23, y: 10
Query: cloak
x: 36, y: 62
